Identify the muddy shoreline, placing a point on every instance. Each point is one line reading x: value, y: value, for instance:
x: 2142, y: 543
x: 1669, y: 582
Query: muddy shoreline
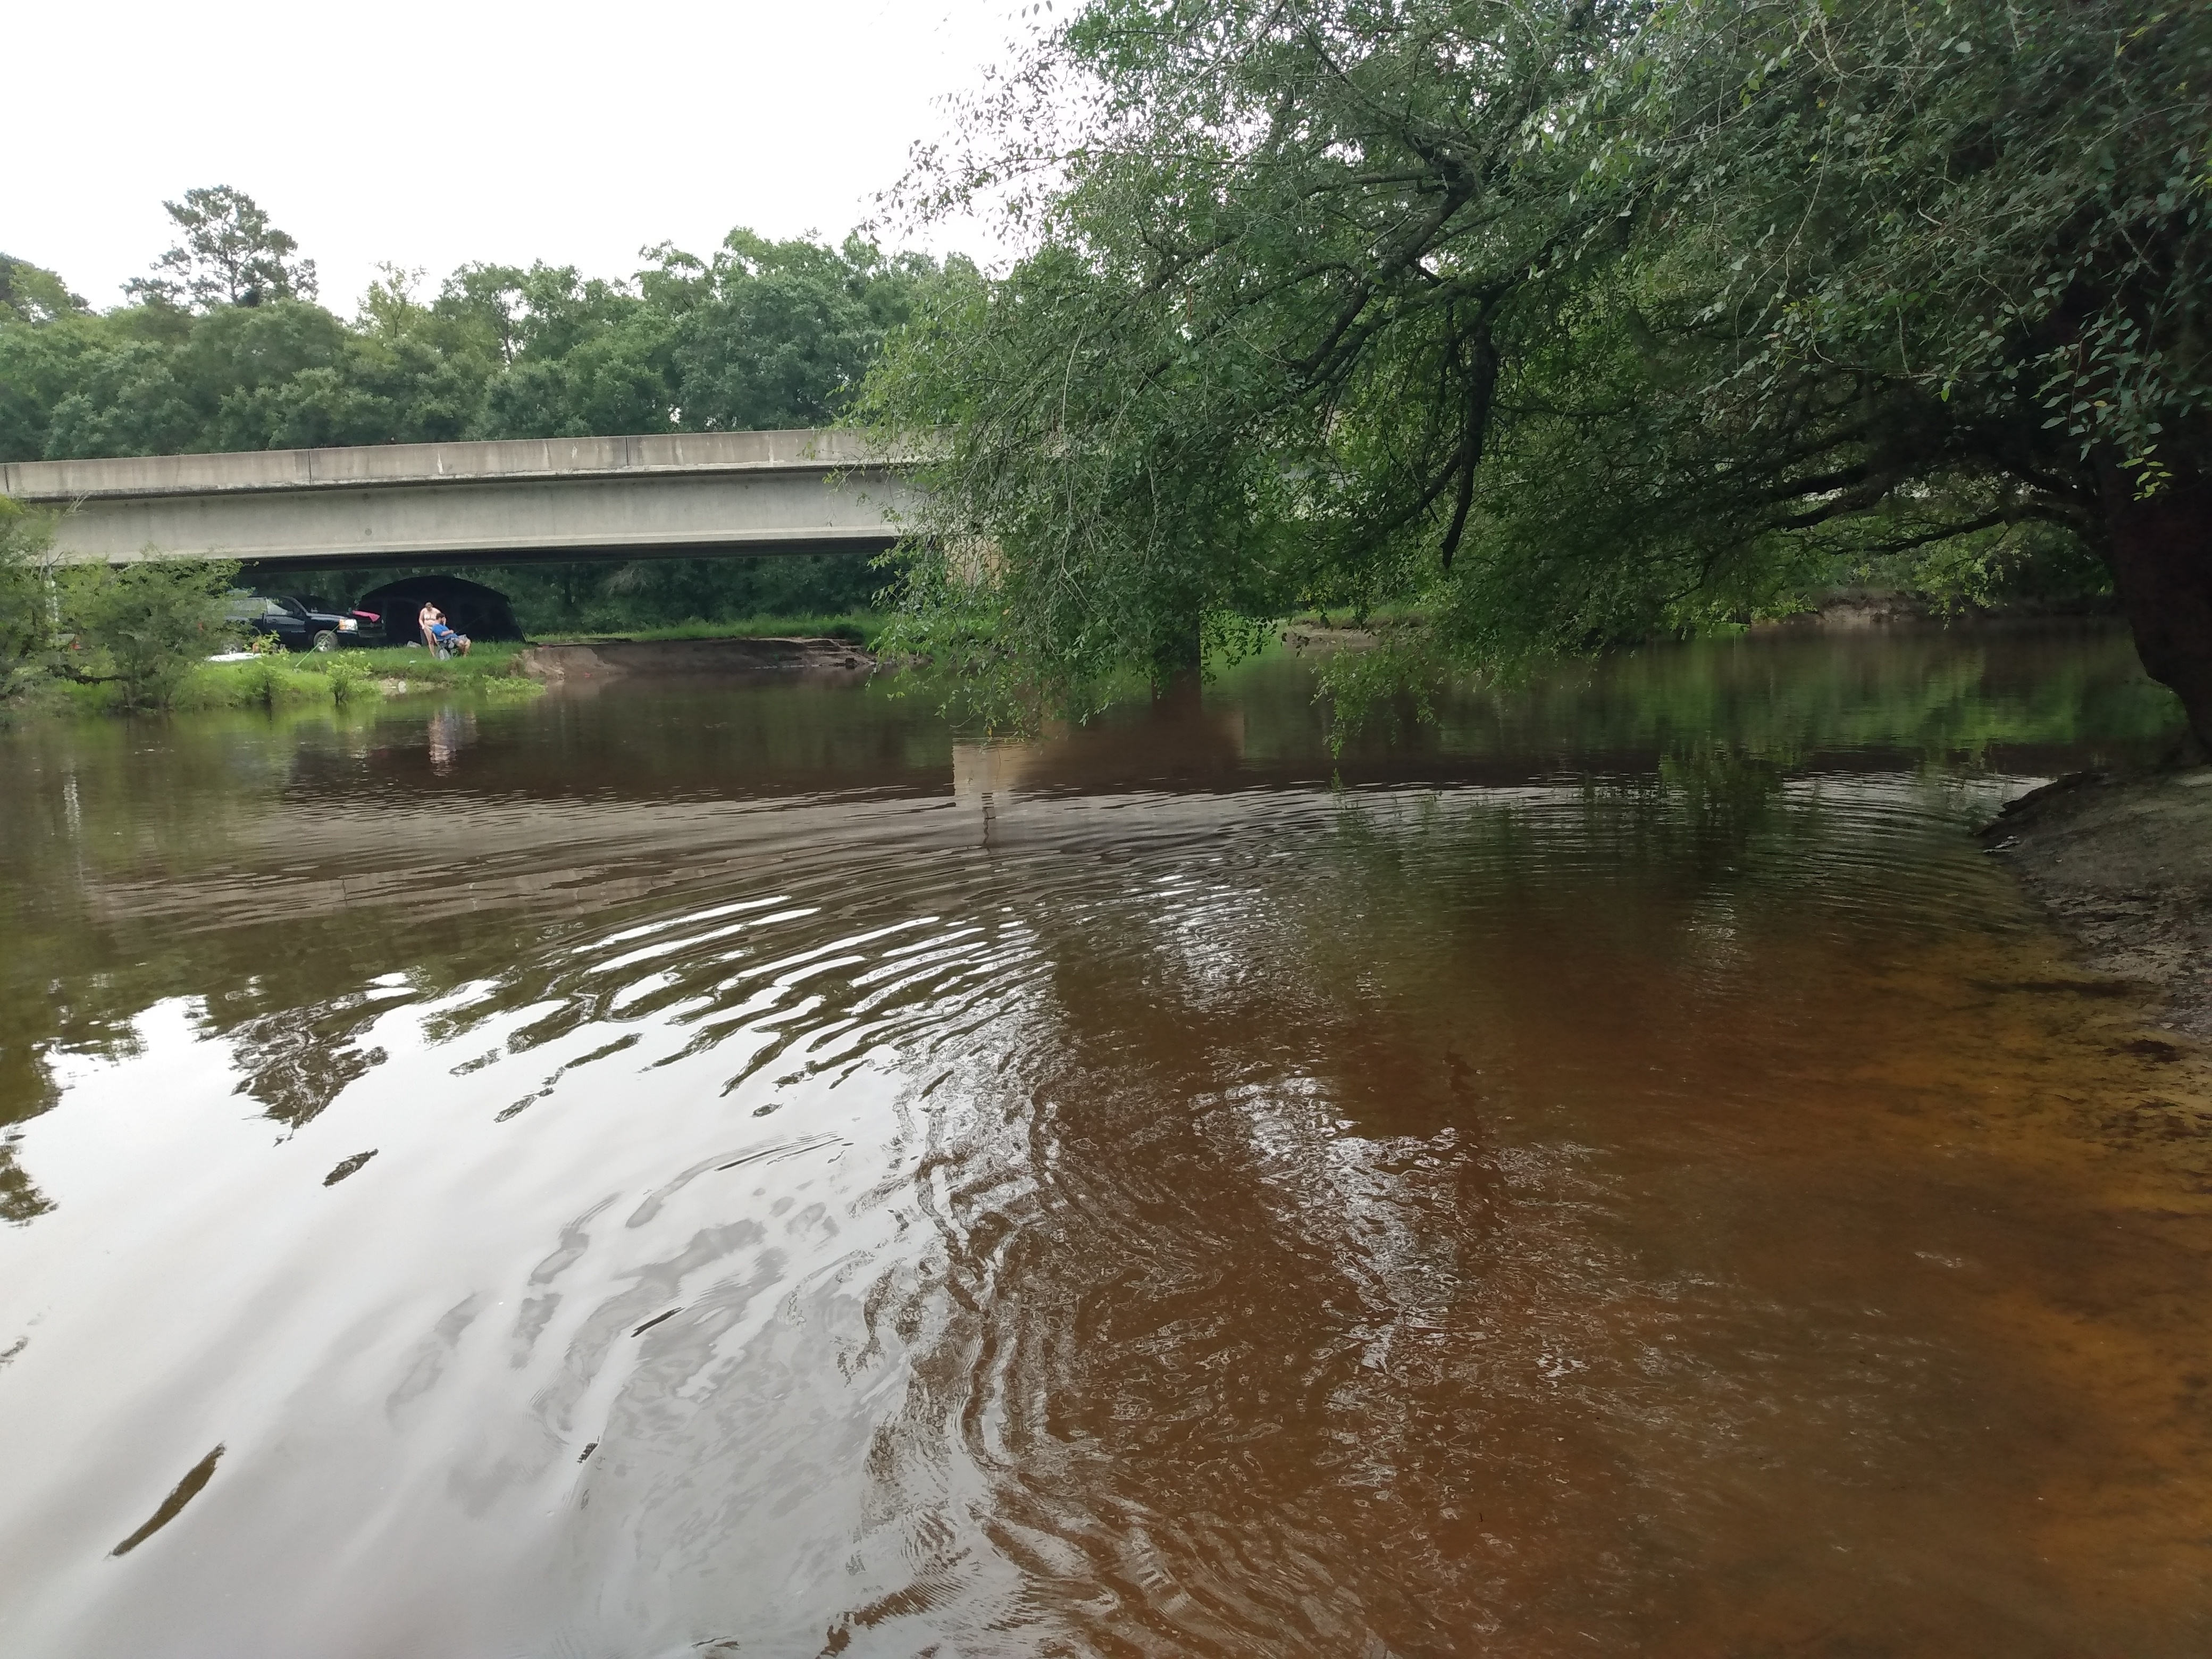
x: 2123, y: 864
x: 616, y: 658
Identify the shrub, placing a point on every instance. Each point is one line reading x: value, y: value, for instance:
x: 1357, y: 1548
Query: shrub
x: 351, y: 681
x: 511, y: 689
x: 148, y: 624
x: 25, y: 627
x: 262, y: 683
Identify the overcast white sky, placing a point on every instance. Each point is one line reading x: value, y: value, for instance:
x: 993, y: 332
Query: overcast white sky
x: 430, y: 133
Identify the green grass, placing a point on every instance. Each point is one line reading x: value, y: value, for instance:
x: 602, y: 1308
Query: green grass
x: 338, y: 679
x: 489, y: 661
x: 328, y: 679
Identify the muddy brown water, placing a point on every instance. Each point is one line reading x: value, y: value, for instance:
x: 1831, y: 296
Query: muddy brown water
x: 727, y: 1168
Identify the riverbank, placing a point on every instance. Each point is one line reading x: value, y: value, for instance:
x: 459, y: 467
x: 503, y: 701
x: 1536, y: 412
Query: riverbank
x: 334, y: 679
x: 497, y: 671
x: 847, y: 626
x: 2125, y: 864
x: 1845, y: 610
x: 615, y: 659
x: 343, y: 676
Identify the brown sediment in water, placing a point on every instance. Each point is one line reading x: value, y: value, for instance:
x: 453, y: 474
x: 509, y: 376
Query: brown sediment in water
x: 2125, y: 866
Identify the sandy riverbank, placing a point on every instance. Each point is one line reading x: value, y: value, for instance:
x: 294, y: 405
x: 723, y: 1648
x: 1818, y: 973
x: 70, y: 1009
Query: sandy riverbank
x: 2125, y: 864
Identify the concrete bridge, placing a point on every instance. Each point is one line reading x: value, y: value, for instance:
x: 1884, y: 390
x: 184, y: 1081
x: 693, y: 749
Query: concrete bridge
x: 669, y: 495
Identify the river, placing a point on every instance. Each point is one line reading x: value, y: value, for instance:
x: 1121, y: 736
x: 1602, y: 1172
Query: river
x: 714, y: 1168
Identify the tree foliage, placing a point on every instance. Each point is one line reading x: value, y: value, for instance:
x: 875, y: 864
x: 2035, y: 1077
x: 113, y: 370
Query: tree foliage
x: 138, y: 630
x: 29, y: 293
x: 1570, y: 322
x: 231, y: 255
x: 25, y: 627
x: 228, y: 351
x: 144, y: 627
x: 760, y: 334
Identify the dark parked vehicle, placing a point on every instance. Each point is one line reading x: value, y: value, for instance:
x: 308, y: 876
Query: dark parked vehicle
x: 299, y: 624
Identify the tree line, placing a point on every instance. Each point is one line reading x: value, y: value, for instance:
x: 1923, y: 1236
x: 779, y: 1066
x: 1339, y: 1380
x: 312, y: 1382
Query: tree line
x: 1552, y: 324
x: 224, y: 346
x: 1563, y: 322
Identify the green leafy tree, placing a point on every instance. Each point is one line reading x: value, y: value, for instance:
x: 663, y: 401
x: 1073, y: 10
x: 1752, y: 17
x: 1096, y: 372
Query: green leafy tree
x: 25, y: 627
x: 484, y: 302
x: 126, y: 397
x: 583, y: 355
x: 33, y: 293
x: 231, y: 255
x: 763, y: 335
x: 146, y: 625
x: 403, y: 372
x: 1289, y: 255
x: 1959, y: 281
x: 777, y: 334
x: 41, y: 363
x: 1571, y: 323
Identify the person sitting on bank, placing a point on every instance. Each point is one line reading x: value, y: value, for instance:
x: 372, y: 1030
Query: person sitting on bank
x: 443, y: 639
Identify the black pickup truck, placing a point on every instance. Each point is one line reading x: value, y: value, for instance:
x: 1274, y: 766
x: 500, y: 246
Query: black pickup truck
x: 297, y: 624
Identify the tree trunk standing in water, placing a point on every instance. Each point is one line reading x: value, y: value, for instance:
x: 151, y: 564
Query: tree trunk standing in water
x: 2159, y: 550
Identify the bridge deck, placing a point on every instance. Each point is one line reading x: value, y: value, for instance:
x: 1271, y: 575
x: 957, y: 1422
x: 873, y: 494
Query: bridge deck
x: 721, y: 492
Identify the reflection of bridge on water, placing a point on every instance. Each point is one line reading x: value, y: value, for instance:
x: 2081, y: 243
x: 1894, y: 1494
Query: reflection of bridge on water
x: 672, y: 495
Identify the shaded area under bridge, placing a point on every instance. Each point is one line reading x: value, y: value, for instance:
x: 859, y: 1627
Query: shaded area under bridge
x: 677, y: 495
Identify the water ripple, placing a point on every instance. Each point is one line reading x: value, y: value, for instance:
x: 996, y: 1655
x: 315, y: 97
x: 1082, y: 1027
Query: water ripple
x: 1285, y: 1220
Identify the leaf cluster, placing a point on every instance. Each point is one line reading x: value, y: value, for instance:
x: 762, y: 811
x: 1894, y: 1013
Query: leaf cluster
x: 1566, y: 323
x: 760, y: 334
x: 231, y: 255
x: 142, y: 628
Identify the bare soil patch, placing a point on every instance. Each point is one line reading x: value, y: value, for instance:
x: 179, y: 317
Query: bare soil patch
x: 610, y: 659
x: 2125, y: 864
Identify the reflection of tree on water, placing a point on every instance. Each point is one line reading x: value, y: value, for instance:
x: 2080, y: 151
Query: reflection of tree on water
x: 1273, y: 1281
x: 1909, y: 692
x: 297, y: 1058
x: 1710, y: 800
x: 19, y: 1200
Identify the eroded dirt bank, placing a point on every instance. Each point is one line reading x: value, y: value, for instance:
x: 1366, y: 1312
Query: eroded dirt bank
x: 609, y: 659
x: 2125, y: 866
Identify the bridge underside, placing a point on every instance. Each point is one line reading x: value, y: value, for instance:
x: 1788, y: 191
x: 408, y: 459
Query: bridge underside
x: 716, y: 496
